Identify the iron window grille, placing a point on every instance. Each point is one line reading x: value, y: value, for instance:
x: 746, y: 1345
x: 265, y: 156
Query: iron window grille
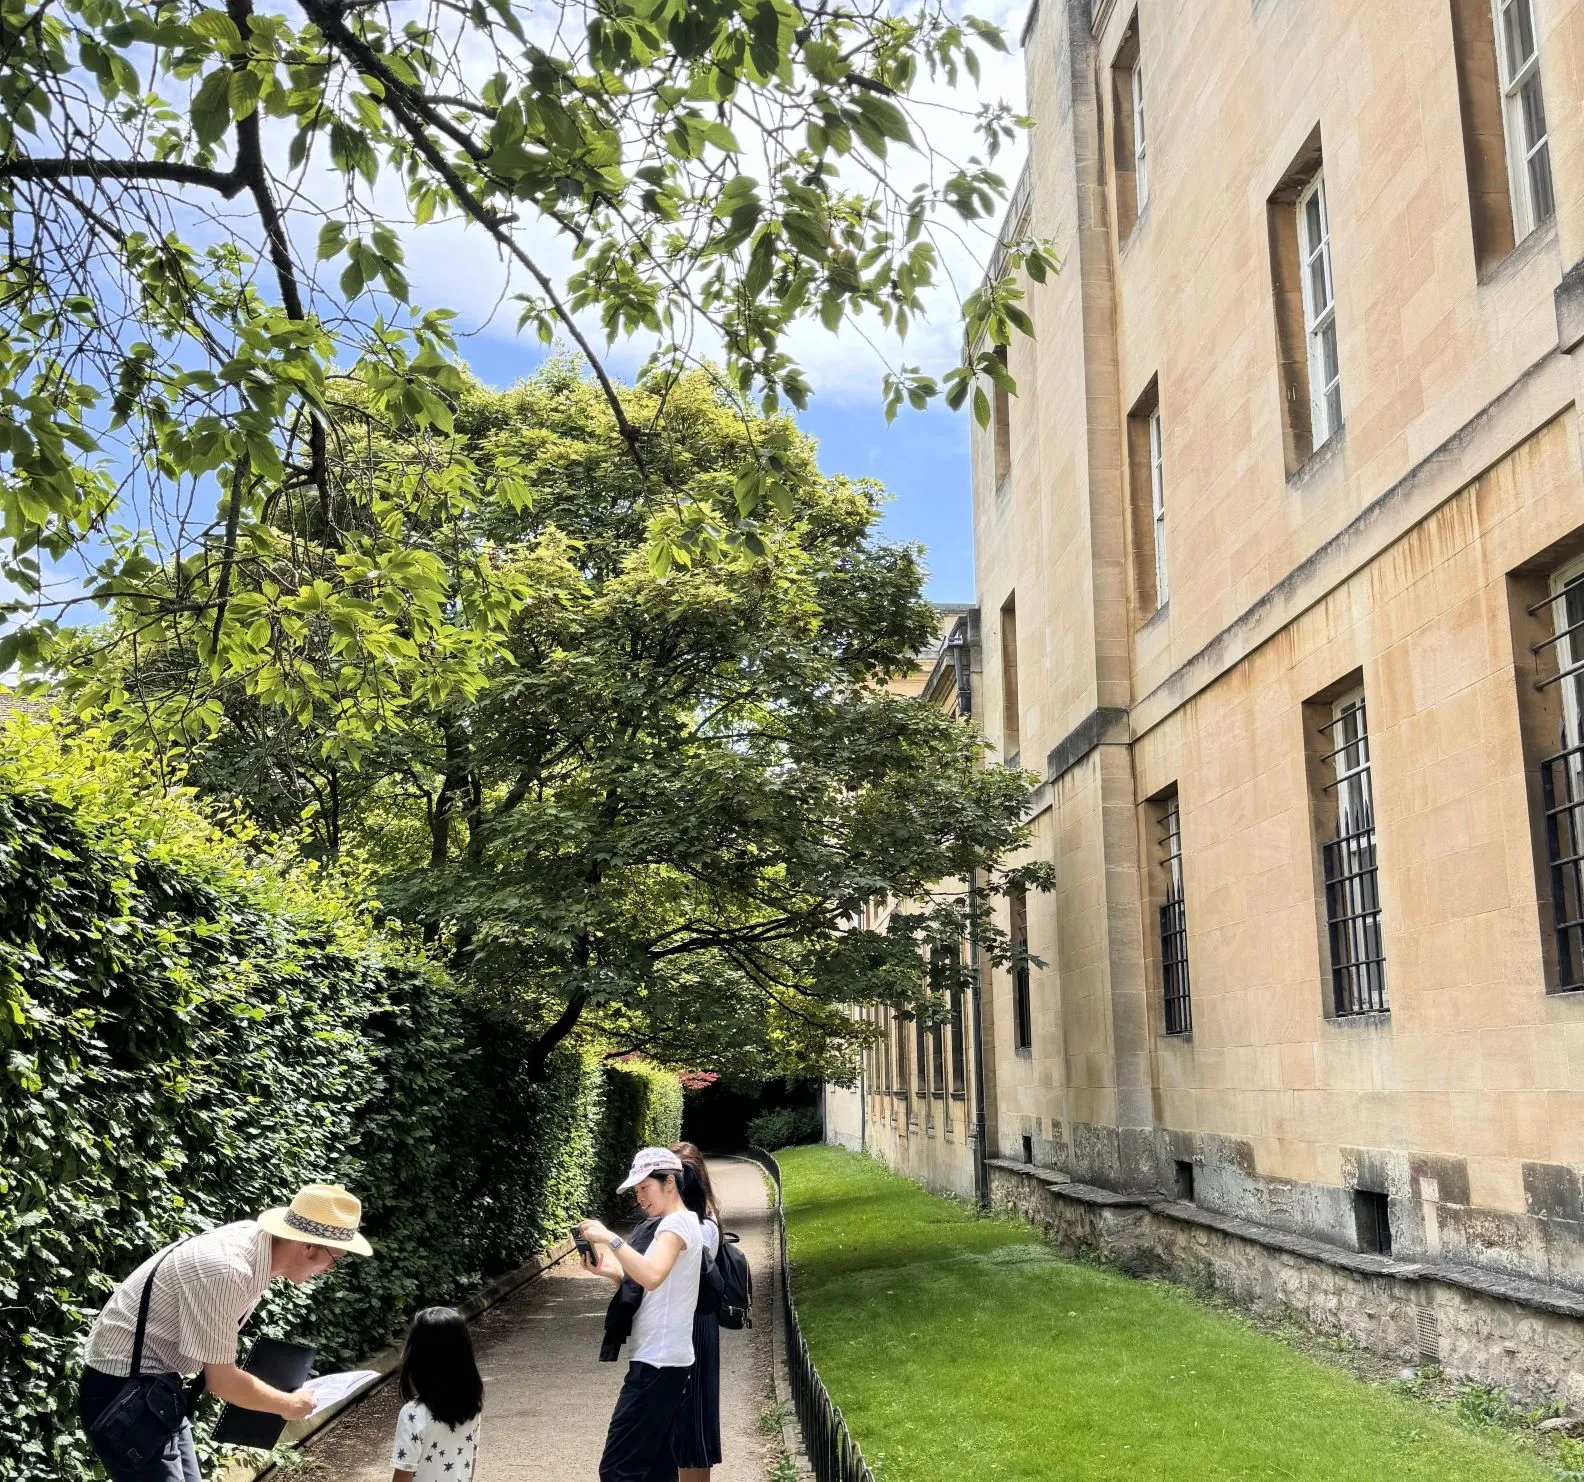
x: 1351, y: 868
x: 1523, y: 111
x: 1174, y: 925
x: 959, y: 1069
x: 1022, y: 1007
x: 1562, y: 775
x: 1319, y: 300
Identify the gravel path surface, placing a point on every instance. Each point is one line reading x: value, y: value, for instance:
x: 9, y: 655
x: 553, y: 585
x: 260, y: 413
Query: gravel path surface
x: 548, y: 1399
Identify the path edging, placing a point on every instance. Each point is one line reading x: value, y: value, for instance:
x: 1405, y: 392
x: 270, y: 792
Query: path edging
x: 780, y: 1371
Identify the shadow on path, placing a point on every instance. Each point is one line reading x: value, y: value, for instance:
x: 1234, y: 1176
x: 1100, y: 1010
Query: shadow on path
x: 548, y: 1398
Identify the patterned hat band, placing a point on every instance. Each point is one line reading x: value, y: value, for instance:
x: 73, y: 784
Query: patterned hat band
x: 319, y: 1231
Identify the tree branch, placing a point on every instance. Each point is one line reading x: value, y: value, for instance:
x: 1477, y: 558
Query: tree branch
x: 401, y: 97
x: 228, y: 183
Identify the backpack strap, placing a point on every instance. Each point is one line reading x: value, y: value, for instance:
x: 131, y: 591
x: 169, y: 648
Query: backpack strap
x: 143, y: 1309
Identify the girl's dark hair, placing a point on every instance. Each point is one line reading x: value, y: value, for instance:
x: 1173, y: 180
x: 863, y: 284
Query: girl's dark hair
x: 692, y: 1158
x: 438, y: 1367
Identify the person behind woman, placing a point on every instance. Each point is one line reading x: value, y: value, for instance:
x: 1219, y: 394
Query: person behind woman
x: 695, y: 1440
x: 638, y: 1443
x: 438, y: 1430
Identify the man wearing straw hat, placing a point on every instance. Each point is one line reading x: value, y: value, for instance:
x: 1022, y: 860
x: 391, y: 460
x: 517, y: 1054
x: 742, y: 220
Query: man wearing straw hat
x: 190, y: 1300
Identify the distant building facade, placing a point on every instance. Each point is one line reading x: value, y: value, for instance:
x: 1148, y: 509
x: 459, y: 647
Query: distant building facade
x: 914, y: 1102
x: 1280, y: 564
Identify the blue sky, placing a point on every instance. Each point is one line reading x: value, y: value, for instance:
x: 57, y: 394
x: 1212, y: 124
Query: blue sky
x: 922, y: 458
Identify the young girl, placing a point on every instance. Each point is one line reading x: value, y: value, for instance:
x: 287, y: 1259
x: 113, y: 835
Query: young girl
x: 695, y: 1439
x: 437, y: 1431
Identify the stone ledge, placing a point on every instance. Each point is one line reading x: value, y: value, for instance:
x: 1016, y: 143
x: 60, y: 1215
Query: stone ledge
x: 1522, y: 1291
x: 1361, y: 1263
x: 1066, y: 1188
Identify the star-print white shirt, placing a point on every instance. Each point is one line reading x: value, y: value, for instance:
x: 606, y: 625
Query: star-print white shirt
x: 432, y: 1450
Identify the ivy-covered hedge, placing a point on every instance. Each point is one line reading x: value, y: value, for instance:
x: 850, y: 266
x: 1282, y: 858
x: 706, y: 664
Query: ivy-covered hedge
x: 187, y: 1035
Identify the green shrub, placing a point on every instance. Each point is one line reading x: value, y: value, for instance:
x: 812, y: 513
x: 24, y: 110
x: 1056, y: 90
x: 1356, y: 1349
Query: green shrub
x: 786, y: 1127
x: 187, y: 1035
x: 643, y: 1108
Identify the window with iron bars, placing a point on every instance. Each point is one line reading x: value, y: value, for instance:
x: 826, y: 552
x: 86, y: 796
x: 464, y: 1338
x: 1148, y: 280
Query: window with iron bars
x: 1562, y: 774
x: 1022, y: 1008
x: 938, y: 978
x: 959, y: 1068
x: 921, y: 1057
x: 887, y: 1070
x: 1173, y: 921
x: 1351, y: 870
x: 900, y: 1025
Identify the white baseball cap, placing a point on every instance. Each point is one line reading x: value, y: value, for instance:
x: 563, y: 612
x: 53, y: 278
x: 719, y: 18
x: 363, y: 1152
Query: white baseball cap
x: 649, y: 1162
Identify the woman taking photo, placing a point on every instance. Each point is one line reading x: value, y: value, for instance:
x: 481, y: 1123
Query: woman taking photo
x: 638, y: 1443
x: 695, y: 1441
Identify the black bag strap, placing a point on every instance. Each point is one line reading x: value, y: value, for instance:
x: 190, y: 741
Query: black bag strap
x: 143, y: 1310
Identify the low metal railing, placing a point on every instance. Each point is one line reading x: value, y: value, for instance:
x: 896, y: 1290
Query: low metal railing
x: 832, y: 1452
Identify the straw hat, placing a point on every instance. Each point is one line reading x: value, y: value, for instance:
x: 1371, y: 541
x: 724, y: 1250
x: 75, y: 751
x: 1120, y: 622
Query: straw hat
x: 321, y: 1214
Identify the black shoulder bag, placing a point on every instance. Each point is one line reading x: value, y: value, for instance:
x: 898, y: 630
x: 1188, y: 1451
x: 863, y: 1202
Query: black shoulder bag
x: 137, y: 1425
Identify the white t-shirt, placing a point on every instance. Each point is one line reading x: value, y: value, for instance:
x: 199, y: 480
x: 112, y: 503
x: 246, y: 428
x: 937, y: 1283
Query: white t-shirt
x: 711, y: 1239
x: 662, y: 1332
x: 432, y: 1450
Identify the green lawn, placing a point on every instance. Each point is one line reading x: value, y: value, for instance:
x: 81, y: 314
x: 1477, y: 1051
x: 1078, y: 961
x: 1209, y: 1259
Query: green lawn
x: 963, y: 1348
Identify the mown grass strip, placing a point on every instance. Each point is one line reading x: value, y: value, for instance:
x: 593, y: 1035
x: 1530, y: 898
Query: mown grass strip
x: 963, y: 1348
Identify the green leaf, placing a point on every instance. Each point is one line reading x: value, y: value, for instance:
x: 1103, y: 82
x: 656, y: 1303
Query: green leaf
x: 217, y: 26
x: 211, y: 106
x: 332, y: 239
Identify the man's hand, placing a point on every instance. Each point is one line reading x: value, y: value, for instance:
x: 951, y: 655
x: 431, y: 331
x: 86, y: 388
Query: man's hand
x: 298, y: 1405
x: 238, y: 1387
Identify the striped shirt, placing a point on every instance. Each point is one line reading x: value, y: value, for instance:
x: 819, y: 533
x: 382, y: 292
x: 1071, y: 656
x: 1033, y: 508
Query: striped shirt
x: 203, y: 1294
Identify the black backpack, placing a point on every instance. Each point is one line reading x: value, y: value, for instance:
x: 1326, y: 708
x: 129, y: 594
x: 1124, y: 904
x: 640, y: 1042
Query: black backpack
x: 711, y: 1286
x: 736, y: 1304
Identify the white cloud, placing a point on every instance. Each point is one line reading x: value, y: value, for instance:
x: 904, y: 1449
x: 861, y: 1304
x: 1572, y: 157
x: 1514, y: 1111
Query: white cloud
x: 461, y: 268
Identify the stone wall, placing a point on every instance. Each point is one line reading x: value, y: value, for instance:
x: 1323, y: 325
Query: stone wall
x: 1508, y: 1332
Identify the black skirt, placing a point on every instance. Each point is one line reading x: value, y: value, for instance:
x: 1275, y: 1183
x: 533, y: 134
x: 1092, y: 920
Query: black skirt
x: 695, y: 1439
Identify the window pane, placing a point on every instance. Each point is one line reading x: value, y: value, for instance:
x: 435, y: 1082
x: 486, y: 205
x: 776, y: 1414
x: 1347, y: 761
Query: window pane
x: 1540, y: 184
x: 1519, y: 25
x: 1328, y: 353
x: 1533, y: 113
x: 1312, y: 215
x: 1319, y: 296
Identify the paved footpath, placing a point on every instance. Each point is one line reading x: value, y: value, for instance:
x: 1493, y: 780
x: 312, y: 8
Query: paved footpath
x: 547, y: 1397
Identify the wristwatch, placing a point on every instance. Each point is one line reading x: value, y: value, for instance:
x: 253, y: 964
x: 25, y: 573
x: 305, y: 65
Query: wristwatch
x: 616, y: 1242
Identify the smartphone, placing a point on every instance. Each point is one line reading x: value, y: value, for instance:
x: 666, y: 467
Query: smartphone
x: 584, y: 1249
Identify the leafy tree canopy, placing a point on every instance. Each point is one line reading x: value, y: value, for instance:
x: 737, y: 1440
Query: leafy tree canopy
x: 204, y: 295
x: 662, y: 810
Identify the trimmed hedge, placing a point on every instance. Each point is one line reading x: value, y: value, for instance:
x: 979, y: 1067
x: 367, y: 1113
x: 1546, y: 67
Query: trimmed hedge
x: 785, y: 1127
x: 186, y: 1036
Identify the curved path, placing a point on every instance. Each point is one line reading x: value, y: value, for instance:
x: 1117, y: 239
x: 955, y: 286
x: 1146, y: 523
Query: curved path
x: 548, y: 1399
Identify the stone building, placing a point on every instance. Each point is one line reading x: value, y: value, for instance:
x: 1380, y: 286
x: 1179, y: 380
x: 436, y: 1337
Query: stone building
x: 1280, y: 565
x: 915, y: 1100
